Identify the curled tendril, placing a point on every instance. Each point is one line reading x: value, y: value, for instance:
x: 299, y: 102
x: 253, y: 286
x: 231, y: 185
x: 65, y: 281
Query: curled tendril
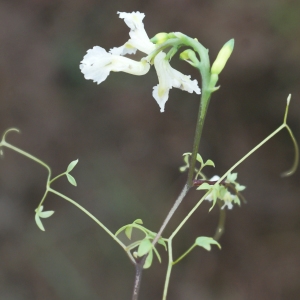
x: 7, y: 131
x: 294, y: 167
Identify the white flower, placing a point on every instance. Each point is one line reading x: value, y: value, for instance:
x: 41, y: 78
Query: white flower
x: 97, y: 63
x: 228, y: 199
x: 168, y: 78
x: 219, y: 190
x: 139, y: 39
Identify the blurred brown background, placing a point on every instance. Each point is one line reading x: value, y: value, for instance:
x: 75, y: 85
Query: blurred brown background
x: 129, y: 153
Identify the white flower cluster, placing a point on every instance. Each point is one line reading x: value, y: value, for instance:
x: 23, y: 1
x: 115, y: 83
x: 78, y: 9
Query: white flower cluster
x: 221, y: 192
x: 97, y: 63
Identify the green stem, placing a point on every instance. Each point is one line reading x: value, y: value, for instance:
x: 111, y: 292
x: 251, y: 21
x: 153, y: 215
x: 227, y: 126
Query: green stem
x: 184, y: 254
x: 24, y: 153
x: 58, y: 176
x: 198, y: 133
x: 94, y: 219
x: 170, y: 265
x: 252, y: 151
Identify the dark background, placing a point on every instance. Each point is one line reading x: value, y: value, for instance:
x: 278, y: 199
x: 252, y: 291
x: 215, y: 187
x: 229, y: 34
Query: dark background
x: 129, y: 153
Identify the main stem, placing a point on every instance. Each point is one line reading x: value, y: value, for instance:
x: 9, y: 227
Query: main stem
x: 204, y: 68
x: 199, y: 128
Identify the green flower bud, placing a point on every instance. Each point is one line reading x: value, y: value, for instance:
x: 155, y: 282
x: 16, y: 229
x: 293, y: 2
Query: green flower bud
x: 160, y: 38
x: 185, y: 55
x: 222, y: 57
x: 190, y: 57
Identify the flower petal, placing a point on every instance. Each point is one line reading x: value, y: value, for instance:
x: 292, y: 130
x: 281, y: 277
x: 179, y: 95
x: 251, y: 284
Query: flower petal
x: 97, y: 64
x: 168, y: 78
x: 138, y: 36
x: 161, y: 91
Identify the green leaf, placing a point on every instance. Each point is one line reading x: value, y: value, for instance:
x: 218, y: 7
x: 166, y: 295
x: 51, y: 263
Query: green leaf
x: 121, y: 229
x: 239, y: 187
x: 204, y: 186
x: 144, y: 247
x: 39, y: 213
x: 162, y: 242
x: 199, y: 158
x: 149, y: 260
x: 206, y: 242
x: 186, y: 154
x: 157, y: 254
x: 39, y: 222
x: 183, y: 168
x: 222, y: 192
x: 232, y: 177
x: 128, y: 232
x: 236, y: 200
x: 72, y: 165
x: 138, y: 221
x: 209, y: 163
x: 46, y: 214
x: 71, y: 179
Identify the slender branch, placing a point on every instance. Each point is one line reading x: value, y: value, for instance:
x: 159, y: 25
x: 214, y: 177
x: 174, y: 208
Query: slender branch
x: 55, y: 178
x: 94, y: 219
x: 184, y: 254
x: 138, y: 278
x: 171, y: 213
x: 24, y: 153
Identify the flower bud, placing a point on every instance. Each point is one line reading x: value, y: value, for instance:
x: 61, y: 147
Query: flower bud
x: 222, y: 57
x: 189, y: 56
x: 160, y: 38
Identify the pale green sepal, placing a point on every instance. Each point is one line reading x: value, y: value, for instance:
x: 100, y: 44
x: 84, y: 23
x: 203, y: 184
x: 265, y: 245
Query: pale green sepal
x: 149, y: 260
x: 206, y: 242
x: 72, y: 165
x: 144, y: 247
x: 71, y: 179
